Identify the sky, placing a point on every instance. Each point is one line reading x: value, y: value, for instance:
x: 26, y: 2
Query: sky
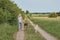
x: 39, y: 5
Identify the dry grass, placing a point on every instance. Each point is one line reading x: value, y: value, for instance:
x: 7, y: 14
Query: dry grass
x: 40, y: 15
x: 47, y: 18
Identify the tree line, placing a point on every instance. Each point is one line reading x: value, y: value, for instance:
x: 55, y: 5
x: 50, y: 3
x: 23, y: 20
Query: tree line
x: 47, y: 14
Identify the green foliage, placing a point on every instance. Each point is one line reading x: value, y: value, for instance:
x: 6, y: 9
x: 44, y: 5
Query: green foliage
x: 58, y: 13
x: 27, y: 12
x: 53, y: 15
x: 7, y: 31
x: 23, y: 14
x: 30, y: 15
x: 8, y: 12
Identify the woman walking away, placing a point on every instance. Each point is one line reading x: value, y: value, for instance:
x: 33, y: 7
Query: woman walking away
x: 20, y: 21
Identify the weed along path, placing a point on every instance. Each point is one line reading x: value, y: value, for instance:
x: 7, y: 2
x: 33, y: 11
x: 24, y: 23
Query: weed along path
x: 20, y: 34
x: 42, y: 32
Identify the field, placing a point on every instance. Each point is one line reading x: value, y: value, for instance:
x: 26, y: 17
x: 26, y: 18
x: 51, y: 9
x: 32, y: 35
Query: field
x: 51, y: 25
x: 31, y: 35
x: 7, y: 31
x: 47, y: 18
x: 40, y: 15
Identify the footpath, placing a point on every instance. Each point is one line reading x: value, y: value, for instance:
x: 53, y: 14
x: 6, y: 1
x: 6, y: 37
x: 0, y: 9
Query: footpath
x: 20, y: 34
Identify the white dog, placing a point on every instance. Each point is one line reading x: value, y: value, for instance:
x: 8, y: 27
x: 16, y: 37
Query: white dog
x: 36, y: 28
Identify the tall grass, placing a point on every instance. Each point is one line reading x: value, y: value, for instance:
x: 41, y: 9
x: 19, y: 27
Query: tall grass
x: 51, y: 26
x: 7, y: 31
x: 31, y: 35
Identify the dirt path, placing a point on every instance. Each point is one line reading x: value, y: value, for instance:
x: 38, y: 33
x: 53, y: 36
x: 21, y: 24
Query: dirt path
x: 44, y: 34
x: 20, y: 34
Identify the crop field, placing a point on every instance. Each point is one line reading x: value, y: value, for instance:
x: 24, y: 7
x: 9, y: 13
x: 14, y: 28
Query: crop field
x: 7, y: 31
x: 47, y: 18
x: 51, y: 25
x: 40, y: 15
x: 31, y: 35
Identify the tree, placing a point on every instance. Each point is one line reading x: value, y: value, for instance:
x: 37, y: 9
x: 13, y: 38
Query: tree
x: 27, y: 12
x: 58, y: 13
x: 8, y: 12
x: 23, y: 14
x: 53, y: 15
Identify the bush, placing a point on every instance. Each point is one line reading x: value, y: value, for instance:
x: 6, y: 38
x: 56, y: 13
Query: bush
x: 58, y: 13
x: 53, y: 15
x: 8, y: 12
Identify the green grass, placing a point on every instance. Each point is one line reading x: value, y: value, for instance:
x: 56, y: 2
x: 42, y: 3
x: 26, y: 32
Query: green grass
x: 31, y: 35
x: 7, y: 31
x: 51, y: 26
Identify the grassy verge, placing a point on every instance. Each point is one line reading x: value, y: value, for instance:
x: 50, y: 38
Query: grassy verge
x: 31, y: 35
x: 7, y: 31
x: 51, y: 26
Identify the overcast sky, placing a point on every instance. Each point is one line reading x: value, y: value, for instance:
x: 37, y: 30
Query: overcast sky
x: 39, y: 5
